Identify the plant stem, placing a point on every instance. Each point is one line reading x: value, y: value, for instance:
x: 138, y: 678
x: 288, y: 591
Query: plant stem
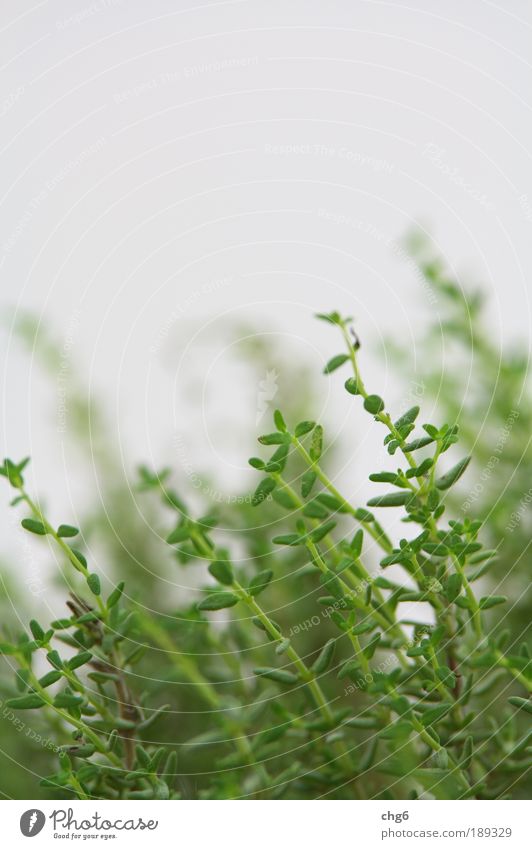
x: 306, y: 674
x: 183, y: 663
x: 71, y: 720
x: 75, y: 561
x: 379, y: 537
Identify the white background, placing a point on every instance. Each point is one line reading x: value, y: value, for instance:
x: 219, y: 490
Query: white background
x: 172, y: 170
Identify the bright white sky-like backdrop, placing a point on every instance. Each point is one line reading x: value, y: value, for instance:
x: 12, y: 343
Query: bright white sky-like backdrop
x: 173, y: 169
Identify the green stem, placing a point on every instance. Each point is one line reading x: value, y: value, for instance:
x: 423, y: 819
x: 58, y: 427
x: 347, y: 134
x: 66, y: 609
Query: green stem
x: 183, y: 663
x: 75, y: 561
x: 382, y: 417
x: 387, y: 621
x: 381, y: 537
x: 71, y: 720
x: 306, y: 674
x: 474, y: 606
x: 502, y: 661
x: 77, y: 786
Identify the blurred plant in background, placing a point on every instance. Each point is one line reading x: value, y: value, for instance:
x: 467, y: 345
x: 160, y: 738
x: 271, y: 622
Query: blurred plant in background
x: 168, y: 702
x: 486, y: 391
x: 111, y: 524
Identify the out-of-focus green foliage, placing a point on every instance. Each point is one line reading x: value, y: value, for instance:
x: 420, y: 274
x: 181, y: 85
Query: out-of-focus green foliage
x: 487, y: 391
x: 293, y: 670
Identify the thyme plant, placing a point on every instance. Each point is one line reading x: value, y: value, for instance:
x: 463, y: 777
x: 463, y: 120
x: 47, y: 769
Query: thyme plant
x: 360, y: 697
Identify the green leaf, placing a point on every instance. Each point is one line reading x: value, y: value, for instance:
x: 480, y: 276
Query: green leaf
x: 436, y: 549
x: 325, y: 657
x: 149, y: 479
x: 307, y: 482
x: 491, y: 601
x: 466, y: 755
x: 116, y: 595
x: 284, y: 498
x: 331, y: 502
x: 68, y: 700
x: 282, y: 646
x: 79, y: 659
x: 369, y: 650
x: 222, y: 572
x: 407, y: 418
x: 364, y: 515
x: 363, y: 628
x: 316, y: 445
x: 82, y: 751
x: 90, y: 616
x: 61, y: 624
x: 179, y: 534
x: 93, y: 582
x: 350, y: 669
x: 281, y: 676
x: 265, y: 487
x: 218, y: 601
x: 209, y: 521
x: 415, y: 651
x: 331, y: 583
x: 274, y: 733
x: 446, y: 676
x: 398, y: 732
x: 272, y: 467
x: 12, y: 471
x: 522, y: 704
x: 440, y: 759
x: 331, y: 317
x: 385, y: 477
x: 79, y: 556
x: 67, y: 531
x: 280, y: 455
x: 447, y: 480
x: 390, y: 499
x: 522, y: 662
x: 29, y: 702
x: 257, y: 463
x: 279, y: 421
x: 34, y: 526
x: 318, y: 533
x: 304, y: 427
x: 435, y: 714
x: 463, y: 602
x: 36, y: 629
x: 481, y: 556
x: 422, y: 469
x: 452, y: 587
x: 335, y: 363
x: 314, y: 510
x: 260, y: 582
x: 357, y: 543
x: 274, y: 438
x: 485, y: 660
x: 288, y: 539
x: 50, y: 678
x: 416, y: 444
x: 352, y: 386
x: 54, y: 659
x: 374, y: 404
